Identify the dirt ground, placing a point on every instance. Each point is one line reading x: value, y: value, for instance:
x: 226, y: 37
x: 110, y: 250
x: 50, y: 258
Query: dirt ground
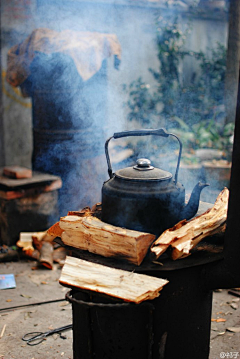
x: 41, y: 285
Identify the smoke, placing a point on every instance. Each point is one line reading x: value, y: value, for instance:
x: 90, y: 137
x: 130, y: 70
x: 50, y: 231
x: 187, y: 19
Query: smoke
x: 68, y: 126
x: 73, y: 117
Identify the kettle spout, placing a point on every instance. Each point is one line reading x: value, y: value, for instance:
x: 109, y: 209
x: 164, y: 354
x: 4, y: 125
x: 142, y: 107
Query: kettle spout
x: 192, y: 207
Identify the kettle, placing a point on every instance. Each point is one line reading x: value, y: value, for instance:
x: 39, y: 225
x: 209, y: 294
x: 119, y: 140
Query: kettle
x: 146, y: 198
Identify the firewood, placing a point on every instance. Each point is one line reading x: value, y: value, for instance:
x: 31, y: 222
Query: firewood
x: 39, y: 238
x: 25, y: 241
x: 95, y: 211
x: 59, y: 255
x: 118, y: 283
x: 185, y: 235
x: 91, y: 234
x: 55, y: 230
x: 86, y: 211
x: 46, y: 255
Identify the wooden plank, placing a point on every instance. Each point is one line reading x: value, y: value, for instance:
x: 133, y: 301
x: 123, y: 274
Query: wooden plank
x: 17, y: 172
x: 37, y: 178
x: 129, y: 286
x: 27, y: 192
x: 91, y: 234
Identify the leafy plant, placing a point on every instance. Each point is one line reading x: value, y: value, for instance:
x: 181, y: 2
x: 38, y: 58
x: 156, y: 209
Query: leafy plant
x: 170, y: 40
x: 206, y: 134
x: 195, y: 110
x: 142, y: 104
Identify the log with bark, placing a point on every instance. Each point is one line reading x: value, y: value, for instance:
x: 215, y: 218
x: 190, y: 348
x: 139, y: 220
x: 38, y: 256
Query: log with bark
x: 91, y: 234
x: 185, y: 235
x: 118, y: 283
x: 46, y: 255
x: 40, y: 246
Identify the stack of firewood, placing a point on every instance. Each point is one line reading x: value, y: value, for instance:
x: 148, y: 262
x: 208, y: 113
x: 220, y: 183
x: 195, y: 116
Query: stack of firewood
x: 41, y: 246
x: 85, y: 230
x: 185, y: 235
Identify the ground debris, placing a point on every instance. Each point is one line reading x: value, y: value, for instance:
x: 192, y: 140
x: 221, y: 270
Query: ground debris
x: 3, y: 331
x: 234, y: 329
x: 25, y: 295
x: 218, y: 320
x: 234, y: 305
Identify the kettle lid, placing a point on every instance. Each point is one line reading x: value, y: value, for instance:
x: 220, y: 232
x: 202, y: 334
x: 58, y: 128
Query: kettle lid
x: 143, y: 171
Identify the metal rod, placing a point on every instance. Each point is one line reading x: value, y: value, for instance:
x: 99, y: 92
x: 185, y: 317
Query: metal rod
x: 31, y: 304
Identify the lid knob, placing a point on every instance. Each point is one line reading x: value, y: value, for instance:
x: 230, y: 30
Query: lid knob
x: 143, y: 164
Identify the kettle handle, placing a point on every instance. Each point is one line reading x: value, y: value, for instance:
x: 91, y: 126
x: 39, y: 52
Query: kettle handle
x: 159, y: 132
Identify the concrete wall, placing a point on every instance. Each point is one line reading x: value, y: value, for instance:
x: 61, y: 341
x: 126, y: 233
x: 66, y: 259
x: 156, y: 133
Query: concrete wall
x: 17, y: 21
x: 135, y: 28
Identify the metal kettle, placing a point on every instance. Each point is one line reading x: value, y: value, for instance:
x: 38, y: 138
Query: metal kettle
x: 146, y: 198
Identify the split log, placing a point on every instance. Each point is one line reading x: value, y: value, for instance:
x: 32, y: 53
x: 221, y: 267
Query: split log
x: 39, y: 238
x: 118, y: 283
x: 55, y: 230
x: 185, y: 235
x: 25, y: 241
x: 91, y: 234
x: 86, y: 211
x: 96, y: 211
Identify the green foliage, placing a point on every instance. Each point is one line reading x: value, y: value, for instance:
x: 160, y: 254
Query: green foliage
x: 205, y: 134
x: 195, y: 110
x: 170, y: 41
x: 142, y: 104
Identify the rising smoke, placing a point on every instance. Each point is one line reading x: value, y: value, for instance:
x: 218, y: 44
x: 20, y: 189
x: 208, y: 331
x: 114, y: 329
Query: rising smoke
x: 72, y: 117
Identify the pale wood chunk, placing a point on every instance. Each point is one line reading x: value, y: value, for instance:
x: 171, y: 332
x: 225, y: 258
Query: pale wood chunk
x: 181, y: 249
x: 185, y: 235
x: 91, y: 234
x: 25, y: 241
x: 129, y: 286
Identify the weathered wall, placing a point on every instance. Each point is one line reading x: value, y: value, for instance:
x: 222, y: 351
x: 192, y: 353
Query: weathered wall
x: 16, y: 23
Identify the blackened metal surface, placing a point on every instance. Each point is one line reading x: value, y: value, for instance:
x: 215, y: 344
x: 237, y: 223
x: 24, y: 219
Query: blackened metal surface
x: 142, y: 206
x: 183, y: 316
x: 164, y: 263
x: 144, y: 132
x: 104, y: 329
x: 147, y: 206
